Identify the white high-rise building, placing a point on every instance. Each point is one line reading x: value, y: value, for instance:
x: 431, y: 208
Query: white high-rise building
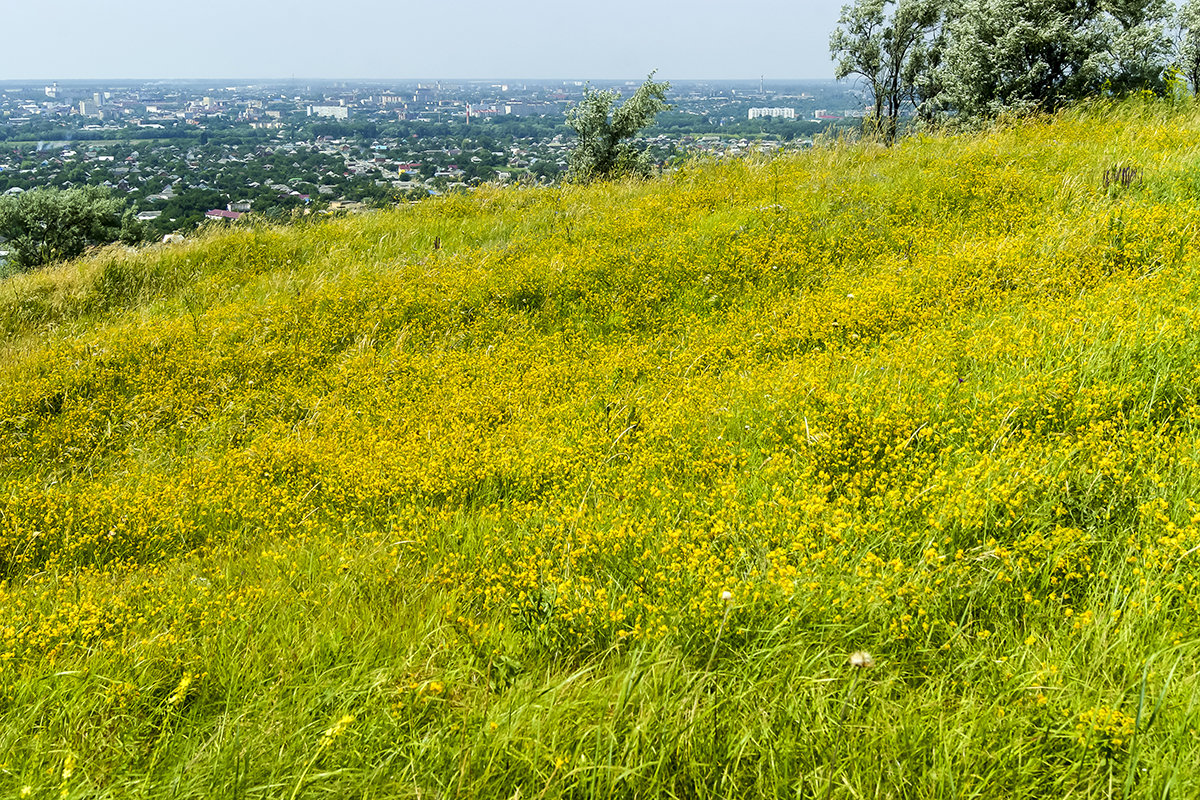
x: 784, y: 113
x: 336, y: 112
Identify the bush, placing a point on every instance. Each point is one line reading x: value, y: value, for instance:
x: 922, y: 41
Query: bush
x: 45, y: 225
x: 603, y: 150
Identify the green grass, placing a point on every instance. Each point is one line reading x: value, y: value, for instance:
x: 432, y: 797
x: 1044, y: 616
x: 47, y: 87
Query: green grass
x: 593, y: 491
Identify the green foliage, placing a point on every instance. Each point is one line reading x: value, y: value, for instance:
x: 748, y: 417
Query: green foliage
x: 1017, y: 54
x: 1189, y: 42
x: 1043, y: 54
x: 1138, y: 50
x: 604, y: 148
x: 973, y: 61
x: 45, y: 225
x: 132, y: 230
x: 890, y: 50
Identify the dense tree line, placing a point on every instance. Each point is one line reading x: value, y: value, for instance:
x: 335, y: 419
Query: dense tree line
x: 963, y: 61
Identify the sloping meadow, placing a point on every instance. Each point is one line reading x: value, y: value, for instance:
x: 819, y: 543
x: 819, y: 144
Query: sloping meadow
x: 593, y: 491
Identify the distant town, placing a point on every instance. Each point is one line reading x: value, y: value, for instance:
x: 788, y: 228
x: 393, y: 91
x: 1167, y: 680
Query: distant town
x: 183, y: 153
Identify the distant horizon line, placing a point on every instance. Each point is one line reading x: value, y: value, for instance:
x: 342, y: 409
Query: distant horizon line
x: 243, y: 81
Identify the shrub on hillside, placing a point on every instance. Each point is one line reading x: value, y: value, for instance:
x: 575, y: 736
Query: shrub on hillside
x: 45, y: 225
x: 604, y: 148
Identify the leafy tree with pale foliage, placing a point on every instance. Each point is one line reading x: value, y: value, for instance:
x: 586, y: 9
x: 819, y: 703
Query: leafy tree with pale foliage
x: 46, y: 225
x: 1138, y: 46
x: 973, y: 60
x: 1022, y: 54
x: 604, y: 148
x: 1044, y: 54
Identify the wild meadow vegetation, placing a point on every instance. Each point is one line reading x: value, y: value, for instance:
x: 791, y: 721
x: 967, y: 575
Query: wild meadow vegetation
x: 593, y: 491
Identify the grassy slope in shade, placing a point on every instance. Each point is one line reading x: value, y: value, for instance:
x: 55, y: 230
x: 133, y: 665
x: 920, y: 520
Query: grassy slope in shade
x: 445, y: 502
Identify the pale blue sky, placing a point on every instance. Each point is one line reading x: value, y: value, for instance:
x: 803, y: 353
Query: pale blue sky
x: 104, y: 39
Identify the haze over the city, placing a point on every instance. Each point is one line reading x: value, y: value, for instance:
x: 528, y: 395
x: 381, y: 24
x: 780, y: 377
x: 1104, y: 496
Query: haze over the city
x: 372, y: 39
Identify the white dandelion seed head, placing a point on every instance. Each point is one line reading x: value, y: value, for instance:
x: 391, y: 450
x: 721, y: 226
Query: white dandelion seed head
x: 862, y: 659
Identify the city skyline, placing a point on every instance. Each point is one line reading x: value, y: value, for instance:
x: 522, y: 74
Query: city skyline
x: 373, y: 40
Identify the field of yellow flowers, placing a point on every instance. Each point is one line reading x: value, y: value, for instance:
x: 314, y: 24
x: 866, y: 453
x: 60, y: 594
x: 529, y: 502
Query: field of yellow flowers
x: 594, y: 491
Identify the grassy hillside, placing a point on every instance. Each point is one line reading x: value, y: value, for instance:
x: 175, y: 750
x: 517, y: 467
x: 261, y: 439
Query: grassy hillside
x: 593, y: 492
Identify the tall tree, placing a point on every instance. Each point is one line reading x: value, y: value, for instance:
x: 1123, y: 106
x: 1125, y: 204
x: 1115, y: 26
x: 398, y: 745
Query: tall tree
x: 885, y: 42
x: 604, y: 147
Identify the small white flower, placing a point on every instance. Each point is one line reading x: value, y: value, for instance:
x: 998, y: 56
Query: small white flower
x: 726, y: 595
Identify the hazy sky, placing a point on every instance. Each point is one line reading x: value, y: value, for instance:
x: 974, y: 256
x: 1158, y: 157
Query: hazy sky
x: 624, y: 39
